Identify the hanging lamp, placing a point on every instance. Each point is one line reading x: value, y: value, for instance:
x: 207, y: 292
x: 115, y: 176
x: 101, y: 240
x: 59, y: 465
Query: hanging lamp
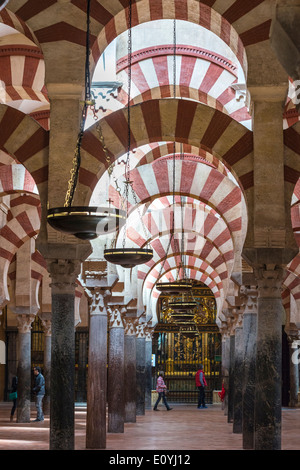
x: 84, y: 222
x: 128, y: 257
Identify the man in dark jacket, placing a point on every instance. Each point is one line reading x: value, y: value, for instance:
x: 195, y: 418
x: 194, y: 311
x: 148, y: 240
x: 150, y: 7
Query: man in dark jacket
x: 39, y: 390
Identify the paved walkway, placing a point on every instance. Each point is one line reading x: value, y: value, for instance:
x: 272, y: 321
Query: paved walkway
x: 182, y: 428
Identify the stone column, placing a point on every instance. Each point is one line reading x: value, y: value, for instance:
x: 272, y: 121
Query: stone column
x: 249, y: 329
x: 148, y: 367
x: 238, y: 374
x: 115, y: 399
x: 130, y: 370
x: 268, y: 360
x: 294, y: 368
x: 24, y: 367
x: 97, y: 376
x: 47, y: 361
x: 231, y: 377
x: 63, y: 273
x: 225, y: 366
x: 140, y: 369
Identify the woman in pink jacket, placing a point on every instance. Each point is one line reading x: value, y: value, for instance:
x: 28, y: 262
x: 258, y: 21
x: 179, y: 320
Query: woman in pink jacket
x: 161, y: 388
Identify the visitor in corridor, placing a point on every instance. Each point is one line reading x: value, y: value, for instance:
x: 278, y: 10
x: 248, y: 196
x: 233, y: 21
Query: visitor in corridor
x: 201, y: 384
x: 39, y: 390
x: 161, y: 389
x: 14, y: 387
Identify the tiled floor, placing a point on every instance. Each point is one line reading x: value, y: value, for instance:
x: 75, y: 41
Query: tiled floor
x: 182, y: 428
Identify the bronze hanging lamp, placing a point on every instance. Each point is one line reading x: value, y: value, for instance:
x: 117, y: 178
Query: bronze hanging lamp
x: 128, y: 257
x: 84, y: 222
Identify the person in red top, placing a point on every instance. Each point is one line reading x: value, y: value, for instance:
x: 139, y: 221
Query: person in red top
x: 201, y: 384
x: 161, y: 388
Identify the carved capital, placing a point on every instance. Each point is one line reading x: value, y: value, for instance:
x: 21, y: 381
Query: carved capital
x: 116, y: 317
x: 97, y: 301
x: 269, y: 282
x: 251, y: 293
x: 140, y: 330
x: 63, y: 273
x: 47, y: 327
x: 24, y: 323
x: 130, y: 326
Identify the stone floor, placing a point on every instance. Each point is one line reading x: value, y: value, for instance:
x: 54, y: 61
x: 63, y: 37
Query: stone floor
x: 182, y: 428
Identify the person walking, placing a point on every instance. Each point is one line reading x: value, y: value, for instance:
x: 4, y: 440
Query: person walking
x: 201, y: 384
x: 13, y: 395
x: 39, y: 390
x: 161, y: 389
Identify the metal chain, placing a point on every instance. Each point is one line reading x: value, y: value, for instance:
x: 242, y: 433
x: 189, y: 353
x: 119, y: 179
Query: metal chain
x: 87, y: 101
x: 174, y: 159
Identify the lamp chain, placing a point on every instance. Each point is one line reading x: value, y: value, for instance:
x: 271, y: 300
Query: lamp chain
x: 87, y: 101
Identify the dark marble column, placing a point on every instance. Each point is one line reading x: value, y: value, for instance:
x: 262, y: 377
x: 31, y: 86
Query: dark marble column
x: 140, y: 369
x: 250, y: 331
x: 148, y: 367
x: 268, y: 360
x: 231, y: 378
x: 115, y: 398
x: 294, y: 368
x: 225, y: 367
x: 46, y: 322
x: 238, y: 375
x: 24, y: 367
x: 130, y: 370
x: 63, y: 273
x: 97, y: 374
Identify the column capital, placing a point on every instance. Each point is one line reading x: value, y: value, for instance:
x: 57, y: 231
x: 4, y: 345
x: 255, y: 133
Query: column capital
x: 98, y: 300
x: 269, y: 281
x: 130, y: 326
x: 63, y: 273
x: 251, y: 293
x: 116, y: 313
x: 24, y: 322
x: 47, y: 326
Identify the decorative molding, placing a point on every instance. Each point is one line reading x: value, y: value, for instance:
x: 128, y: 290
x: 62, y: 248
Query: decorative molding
x: 181, y: 49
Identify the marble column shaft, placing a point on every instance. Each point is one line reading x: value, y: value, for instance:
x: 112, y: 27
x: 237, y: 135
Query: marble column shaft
x: 97, y: 376
x: 249, y: 330
x: 238, y: 380
x: 148, y: 368
x: 140, y: 370
x: 130, y: 370
x: 294, y: 371
x: 62, y: 426
x: 24, y: 367
x: 115, y: 399
x: 268, y: 360
x: 47, y: 364
x: 225, y: 369
x: 231, y: 380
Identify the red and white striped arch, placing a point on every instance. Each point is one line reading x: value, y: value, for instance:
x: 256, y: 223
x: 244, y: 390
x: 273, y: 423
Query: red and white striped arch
x: 22, y: 75
x: 194, y: 180
x: 27, y: 142
x: 202, y: 75
x: 23, y: 222
x: 15, y: 178
x: 159, y: 121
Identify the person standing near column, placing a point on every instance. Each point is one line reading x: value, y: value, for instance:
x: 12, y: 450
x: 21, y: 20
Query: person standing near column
x: 161, y: 389
x: 39, y: 390
x: 201, y: 384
